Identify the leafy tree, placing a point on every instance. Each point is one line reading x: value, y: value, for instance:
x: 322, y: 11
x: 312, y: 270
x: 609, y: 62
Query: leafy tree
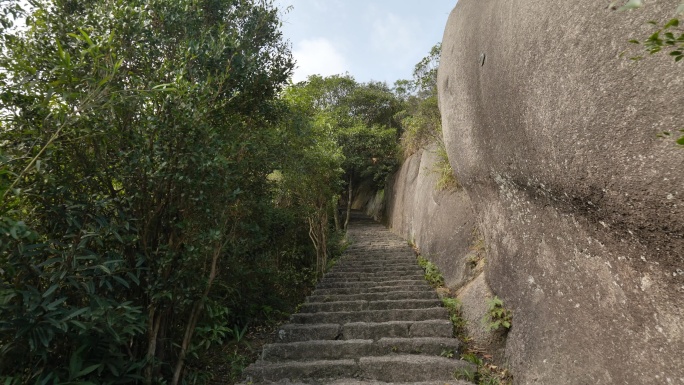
x: 311, y: 176
x: 362, y: 120
x: 137, y: 137
x: 421, y: 121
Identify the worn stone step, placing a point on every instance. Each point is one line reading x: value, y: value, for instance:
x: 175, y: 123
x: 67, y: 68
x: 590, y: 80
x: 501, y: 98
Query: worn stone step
x: 399, y: 329
x: 280, y: 372
x: 395, y: 295
x: 386, y: 258
x: 379, y: 263
x: 370, y: 316
x: 393, y: 368
x: 378, y: 276
x: 360, y: 305
x: 411, y: 368
x: 379, y: 255
x: 362, y: 250
x: 299, y: 332
x: 377, y: 289
x: 365, y: 284
x: 377, y: 269
x: 365, y: 330
x: 317, y: 350
x: 365, y: 255
x: 351, y: 381
x: 382, y: 259
x: 335, y: 350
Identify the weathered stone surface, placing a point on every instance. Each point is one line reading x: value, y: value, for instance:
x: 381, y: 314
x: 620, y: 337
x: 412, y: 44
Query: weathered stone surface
x: 294, y: 332
x: 440, y: 223
x: 433, y: 328
x: 553, y: 136
x: 371, y: 316
x: 473, y: 297
x: 395, y: 295
x: 424, y: 345
x: 294, y: 370
x: 409, y: 368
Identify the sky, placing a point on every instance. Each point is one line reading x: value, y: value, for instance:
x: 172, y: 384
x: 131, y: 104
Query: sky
x: 379, y: 40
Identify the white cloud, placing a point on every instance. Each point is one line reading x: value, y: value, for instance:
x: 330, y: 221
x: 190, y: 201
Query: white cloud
x: 317, y: 56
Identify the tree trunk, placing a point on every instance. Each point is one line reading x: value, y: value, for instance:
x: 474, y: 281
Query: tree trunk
x: 336, y: 213
x: 349, y: 203
x: 152, y: 332
x: 194, y: 316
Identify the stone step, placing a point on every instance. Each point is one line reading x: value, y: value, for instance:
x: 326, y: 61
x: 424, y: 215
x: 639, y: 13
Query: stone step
x: 370, y: 316
x: 377, y: 262
x: 351, y: 381
x: 366, y: 284
x: 360, y: 305
x: 299, y: 332
x: 411, y: 368
x: 392, y: 368
x: 399, y: 329
x: 412, y: 269
x: 336, y: 350
x: 376, y: 276
x: 372, y: 320
x: 365, y: 330
x: 377, y: 289
x: 281, y: 372
x: 365, y: 255
x: 395, y: 295
x: 358, y: 271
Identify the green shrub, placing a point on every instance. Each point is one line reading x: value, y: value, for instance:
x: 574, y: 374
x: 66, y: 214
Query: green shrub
x: 497, y: 316
x: 432, y: 273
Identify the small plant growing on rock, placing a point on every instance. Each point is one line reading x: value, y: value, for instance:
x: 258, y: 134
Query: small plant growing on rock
x: 497, y: 316
x: 453, y: 306
x: 432, y: 274
x: 486, y: 373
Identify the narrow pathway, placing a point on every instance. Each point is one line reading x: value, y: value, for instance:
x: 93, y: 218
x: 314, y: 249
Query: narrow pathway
x: 372, y: 319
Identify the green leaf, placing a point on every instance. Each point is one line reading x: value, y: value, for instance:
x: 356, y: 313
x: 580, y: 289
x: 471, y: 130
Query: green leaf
x: 88, y: 370
x: 680, y: 141
x: 676, y: 53
x: 133, y: 278
x: 634, y: 41
x: 76, y: 313
x: 671, y: 23
x: 122, y: 281
x: 50, y: 290
x: 678, y: 58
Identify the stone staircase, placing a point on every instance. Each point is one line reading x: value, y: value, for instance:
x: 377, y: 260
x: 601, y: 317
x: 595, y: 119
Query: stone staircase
x: 373, y: 319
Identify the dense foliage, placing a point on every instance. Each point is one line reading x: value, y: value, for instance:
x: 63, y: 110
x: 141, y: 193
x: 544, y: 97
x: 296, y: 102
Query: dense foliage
x: 421, y: 122
x: 360, y: 119
x: 138, y: 225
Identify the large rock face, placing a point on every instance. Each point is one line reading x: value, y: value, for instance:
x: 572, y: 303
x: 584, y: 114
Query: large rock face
x: 440, y: 223
x: 553, y: 135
